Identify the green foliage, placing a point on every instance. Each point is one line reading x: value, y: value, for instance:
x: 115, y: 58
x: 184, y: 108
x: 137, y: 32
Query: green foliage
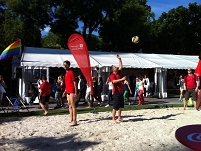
x: 127, y: 21
x: 116, y: 21
x: 179, y: 31
x: 51, y: 41
x: 94, y: 43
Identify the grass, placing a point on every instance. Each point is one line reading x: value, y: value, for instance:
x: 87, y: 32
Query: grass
x: 83, y: 110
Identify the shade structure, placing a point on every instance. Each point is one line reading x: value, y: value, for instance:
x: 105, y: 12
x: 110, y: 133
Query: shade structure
x: 45, y: 57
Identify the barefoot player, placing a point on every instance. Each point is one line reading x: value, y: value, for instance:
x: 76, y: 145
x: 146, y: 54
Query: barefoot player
x: 117, y: 91
x: 71, y: 92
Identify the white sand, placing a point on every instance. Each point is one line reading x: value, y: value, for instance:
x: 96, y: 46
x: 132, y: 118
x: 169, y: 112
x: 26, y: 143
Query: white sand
x: 142, y: 130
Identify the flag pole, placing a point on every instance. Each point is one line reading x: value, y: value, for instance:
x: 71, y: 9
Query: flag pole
x: 20, y: 48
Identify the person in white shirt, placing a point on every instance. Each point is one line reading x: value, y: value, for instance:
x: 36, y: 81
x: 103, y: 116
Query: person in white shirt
x: 109, y: 83
x: 81, y: 89
x: 88, y: 95
x: 146, y: 85
x: 181, y: 86
x: 2, y: 89
x: 37, y: 84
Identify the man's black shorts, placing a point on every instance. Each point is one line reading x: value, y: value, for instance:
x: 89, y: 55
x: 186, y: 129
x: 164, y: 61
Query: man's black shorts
x: 118, y: 100
x: 190, y: 92
x: 44, y: 99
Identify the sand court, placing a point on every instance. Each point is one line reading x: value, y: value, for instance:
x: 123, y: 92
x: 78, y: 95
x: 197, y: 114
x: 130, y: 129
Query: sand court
x: 150, y: 129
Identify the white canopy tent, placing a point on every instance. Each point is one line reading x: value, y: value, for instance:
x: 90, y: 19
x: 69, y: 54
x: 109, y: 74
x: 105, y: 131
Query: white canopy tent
x: 36, y: 58
x: 171, y: 61
x: 45, y: 57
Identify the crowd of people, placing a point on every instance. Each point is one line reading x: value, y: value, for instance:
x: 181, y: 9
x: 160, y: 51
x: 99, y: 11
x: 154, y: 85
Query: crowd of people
x: 119, y: 90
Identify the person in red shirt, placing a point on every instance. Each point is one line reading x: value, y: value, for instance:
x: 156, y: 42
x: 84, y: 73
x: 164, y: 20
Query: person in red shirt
x: 71, y: 92
x: 199, y: 93
x: 191, y: 87
x: 44, y: 96
x: 117, y: 91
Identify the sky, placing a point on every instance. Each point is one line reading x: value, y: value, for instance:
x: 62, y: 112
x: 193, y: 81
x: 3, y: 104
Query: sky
x: 160, y: 6
x: 157, y: 6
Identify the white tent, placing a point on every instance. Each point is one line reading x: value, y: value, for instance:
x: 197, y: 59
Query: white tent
x: 45, y: 57
x: 171, y: 61
x: 37, y: 58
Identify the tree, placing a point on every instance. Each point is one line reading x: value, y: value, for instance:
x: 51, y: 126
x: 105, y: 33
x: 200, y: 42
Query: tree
x: 51, y: 41
x: 179, y: 31
x: 86, y: 14
x: 28, y: 18
x: 130, y: 19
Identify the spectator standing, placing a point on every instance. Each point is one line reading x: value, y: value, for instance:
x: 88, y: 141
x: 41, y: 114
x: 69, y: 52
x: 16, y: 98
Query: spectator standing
x: 99, y: 90
x: 127, y: 90
x: 71, y: 92
x: 199, y: 93
x: 81, y: 89
x: 181, y: 87
x: 137, y: 90
x: 88, y: 95
x: 146, y: 85
x: 62, y: 87
x: 44, y: 96
x: 2, y: 89
x: 109, y: 83
x: 117, y: 90
x: 95, y: 92
x: 152, y: 88
x: 36, y: 93
x: 141, y: 88
x: 191, y: 87
x: 58, y: 93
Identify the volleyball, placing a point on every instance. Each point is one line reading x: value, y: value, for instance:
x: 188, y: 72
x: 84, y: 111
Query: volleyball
x: 135, y: 39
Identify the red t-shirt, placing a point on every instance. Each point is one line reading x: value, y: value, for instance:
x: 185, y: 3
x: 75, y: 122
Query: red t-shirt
x: 45, y: 87
x: 119, y: 85
x: 190, y: 81
x: 69, y: 82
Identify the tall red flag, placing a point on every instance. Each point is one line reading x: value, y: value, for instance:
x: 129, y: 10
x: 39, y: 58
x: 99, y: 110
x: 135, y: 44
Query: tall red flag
x: 198, y: 68
x: 79, y: 50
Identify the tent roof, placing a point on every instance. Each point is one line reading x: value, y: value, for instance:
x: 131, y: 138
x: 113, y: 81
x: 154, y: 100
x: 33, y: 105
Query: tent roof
x: 45, y: 57
x: 172, y: 61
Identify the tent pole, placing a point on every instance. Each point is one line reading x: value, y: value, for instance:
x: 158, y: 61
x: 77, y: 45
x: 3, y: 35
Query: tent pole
x: 48, y: 74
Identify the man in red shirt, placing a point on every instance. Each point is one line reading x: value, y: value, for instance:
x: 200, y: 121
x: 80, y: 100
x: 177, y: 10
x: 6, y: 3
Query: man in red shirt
x: 117, y: 91
x: 44, y: 96
x: 191, y: 87
x: 71, y: 92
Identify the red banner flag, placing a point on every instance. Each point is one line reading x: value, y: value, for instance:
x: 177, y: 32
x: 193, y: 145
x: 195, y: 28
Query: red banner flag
x: 79, y: 50
x: 198, y: 69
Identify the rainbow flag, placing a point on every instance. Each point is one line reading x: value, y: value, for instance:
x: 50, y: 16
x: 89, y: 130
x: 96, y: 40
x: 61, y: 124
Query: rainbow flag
x: 12, y: 50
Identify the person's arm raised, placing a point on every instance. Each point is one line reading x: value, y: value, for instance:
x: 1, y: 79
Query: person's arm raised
x: 120, y: 62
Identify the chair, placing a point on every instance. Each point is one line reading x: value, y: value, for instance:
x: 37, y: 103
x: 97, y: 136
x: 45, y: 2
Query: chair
x: 17, y: 103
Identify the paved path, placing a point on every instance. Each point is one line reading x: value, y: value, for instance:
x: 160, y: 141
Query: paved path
x: 151, y: 101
